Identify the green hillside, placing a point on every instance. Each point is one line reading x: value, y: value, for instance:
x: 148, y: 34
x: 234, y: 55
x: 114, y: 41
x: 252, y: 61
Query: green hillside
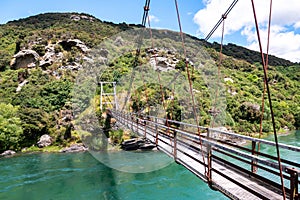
x: 36, y: 92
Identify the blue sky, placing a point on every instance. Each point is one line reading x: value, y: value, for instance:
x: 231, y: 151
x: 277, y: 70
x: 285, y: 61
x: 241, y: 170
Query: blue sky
x: 197, y: 16
x: 129, y: 11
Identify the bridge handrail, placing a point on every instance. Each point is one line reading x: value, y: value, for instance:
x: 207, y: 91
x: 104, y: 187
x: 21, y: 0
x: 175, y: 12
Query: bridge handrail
x: 237, y: 152
x: 284, y: 146
x: 255, y: 158
x: 174, y: 121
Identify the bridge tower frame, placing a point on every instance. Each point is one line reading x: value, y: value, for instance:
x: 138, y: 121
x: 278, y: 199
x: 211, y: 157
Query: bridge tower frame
x: 108, y: 95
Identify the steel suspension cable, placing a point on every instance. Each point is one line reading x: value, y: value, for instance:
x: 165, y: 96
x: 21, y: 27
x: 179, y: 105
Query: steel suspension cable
x: 221, y: 20
x: 270, y: 101
x: 266, y: 63
x: 144, y: 20
x: 159, y: 81
x: 219, y: 71
x: 146, y: 9
x: 214, y: 111
x: 139, y: 40
x: 190, y: 82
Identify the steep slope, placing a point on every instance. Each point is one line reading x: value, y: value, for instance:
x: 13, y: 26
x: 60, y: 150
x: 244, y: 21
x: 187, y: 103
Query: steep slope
x: 40, y: 57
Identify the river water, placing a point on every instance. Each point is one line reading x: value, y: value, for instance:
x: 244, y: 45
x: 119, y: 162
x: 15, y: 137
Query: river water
x: 81, y: 176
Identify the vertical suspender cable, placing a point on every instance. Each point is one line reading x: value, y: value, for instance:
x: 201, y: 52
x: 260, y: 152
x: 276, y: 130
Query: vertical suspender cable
x: 270, y: 101
x: 190, y: 82
x: 214, y: 111
x: 160, y: 85
x: 266, y: 63
x: 139, y: 40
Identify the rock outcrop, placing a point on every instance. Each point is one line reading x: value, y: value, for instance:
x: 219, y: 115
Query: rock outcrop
x: 8, y: 153
x: 74, y: 148
x: 68, y: 44
x: 45, y: 140
x: 25, y: 59
x: 82, y: 17
x: 224, y: 137
x: 50, y: 56
x: 137, y: 144
x: 162, y: 60
x: 19, y: 88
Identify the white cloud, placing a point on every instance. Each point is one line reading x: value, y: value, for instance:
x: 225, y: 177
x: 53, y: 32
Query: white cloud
x: 297, y: 25
x: 153, y: 18
x: 285, y: 40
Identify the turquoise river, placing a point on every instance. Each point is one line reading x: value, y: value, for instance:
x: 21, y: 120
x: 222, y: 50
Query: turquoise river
x: 81, y: 176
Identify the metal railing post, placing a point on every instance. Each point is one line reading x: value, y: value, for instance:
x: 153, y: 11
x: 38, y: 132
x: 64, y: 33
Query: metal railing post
x: 294, y: 193
x: 253, y: 163
x: 137, y: 125
x: 131, y: 116
x: 156, y: 131
x: 209, y: 163
x: 175, y: 144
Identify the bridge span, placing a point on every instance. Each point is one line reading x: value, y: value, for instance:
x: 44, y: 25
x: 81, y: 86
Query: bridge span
x: 237, y: 170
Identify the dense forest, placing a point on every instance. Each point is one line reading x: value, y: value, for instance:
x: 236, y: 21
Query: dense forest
x: 36, y: 92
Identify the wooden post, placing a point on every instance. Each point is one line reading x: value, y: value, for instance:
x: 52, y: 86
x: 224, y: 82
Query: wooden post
x: 253, y: 163
x: 209, y: 163
x: 294, y: 194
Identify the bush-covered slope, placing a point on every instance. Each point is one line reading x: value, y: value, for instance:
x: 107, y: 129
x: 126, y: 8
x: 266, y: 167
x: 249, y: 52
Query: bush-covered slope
x: 36, y: 100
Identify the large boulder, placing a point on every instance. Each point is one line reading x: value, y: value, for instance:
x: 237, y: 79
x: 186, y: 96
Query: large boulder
x: 44, y: 141
x: 140, y: 143
x: 8, y: 153
x: 68, y: 44
x: 25, y: 59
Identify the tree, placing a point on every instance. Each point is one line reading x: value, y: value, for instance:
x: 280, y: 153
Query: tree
x: 35, y: 123
x: 11, y: 132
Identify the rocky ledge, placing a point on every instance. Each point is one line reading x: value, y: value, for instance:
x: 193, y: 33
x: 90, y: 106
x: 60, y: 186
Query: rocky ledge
x: 7, y: 153
x: 74, y: 148
x: 137, y: 144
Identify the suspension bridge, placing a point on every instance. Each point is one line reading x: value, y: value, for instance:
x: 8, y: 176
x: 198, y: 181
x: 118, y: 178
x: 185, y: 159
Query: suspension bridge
x: 235, y: 169
x: 238, y: 170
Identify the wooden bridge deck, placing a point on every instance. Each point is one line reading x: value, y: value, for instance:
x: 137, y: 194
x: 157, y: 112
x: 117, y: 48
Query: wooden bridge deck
x: 219, y: 182
x: 234, y: 182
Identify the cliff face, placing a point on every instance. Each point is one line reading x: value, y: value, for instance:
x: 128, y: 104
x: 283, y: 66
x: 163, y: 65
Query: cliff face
x: 40, y: 57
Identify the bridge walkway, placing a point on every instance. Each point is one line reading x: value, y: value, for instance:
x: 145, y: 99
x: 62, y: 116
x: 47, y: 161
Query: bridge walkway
x: 231, y: 177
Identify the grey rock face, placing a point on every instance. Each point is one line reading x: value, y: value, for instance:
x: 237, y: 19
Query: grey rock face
x: 44, y: 141
x: 74, y: 148
x: 8, y: 153
x: 25, y: 59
